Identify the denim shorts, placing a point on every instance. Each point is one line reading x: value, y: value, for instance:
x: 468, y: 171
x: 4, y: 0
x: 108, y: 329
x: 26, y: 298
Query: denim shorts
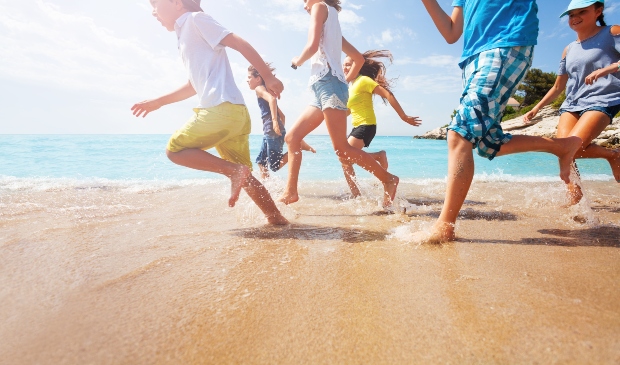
x: 610, y: 111
x: 271, y: 152
x: 330, y: 92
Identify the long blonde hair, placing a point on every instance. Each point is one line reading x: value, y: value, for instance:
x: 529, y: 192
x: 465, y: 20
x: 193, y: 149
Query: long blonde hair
x: 376, y: 69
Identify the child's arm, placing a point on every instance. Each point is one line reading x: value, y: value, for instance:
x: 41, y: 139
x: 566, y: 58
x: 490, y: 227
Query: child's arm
x: 614, y: 67
x: 261, y: 92
x: 450, y: 27
x: 145, y: 107
x: 273, y: 85
x: 356, y: 57
x: 552, y: 94
x: 382, y: 92
x: 282, y: 116
x: 318, y: 16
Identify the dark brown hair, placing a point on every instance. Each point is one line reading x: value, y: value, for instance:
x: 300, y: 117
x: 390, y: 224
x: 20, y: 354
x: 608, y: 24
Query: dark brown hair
x: 376, y: 69
x: 601, y: 18
x: 334, y: 3
x: 255, y: 73
x: 192, y: 5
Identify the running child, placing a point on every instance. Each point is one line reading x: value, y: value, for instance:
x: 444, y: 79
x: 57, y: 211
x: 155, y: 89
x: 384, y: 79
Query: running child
x: 329, y: 85
x: 368, y: 82
x: 270, y: 156
x: 221, y: 119
x: 589, y: 72
x: 499, y: 39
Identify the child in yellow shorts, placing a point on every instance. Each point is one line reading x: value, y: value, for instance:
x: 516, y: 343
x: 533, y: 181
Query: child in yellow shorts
x: 221, y: 119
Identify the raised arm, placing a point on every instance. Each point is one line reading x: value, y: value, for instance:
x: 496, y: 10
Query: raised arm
x: 145, y: 107
x: 382, y: 92
x: 356, y: 57
x: 450, y: 26
x: 552, y: 94
x: 273, y: 85
x: 318, y: 16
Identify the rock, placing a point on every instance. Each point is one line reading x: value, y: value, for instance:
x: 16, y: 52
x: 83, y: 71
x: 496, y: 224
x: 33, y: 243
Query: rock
x: 544, y: 125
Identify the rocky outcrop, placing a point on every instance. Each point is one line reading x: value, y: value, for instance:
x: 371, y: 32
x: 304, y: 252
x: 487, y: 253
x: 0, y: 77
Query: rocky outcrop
x: 544, y: 125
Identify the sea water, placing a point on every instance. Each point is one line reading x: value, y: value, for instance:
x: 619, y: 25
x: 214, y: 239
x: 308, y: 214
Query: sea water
x: 142, y: 158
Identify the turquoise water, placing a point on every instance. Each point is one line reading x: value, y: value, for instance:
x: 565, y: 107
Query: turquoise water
x: 142, y: 157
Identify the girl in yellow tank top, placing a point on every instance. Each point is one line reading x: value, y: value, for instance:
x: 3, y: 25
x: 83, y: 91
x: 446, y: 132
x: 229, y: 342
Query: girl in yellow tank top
x: 369, y: 82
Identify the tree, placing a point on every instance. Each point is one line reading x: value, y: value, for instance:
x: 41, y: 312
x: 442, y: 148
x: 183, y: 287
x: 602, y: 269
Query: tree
x: 535, y: 85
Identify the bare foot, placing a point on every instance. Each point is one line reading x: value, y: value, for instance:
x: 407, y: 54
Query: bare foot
x: 389, y: 191
x: 288, y: 198
x: 382, y: 159
x: 277, y: 220
x: 615, y: 165
x: 574, y: 193
x: 306, y: 147
x: 570, y: 147
x: 238, y: 180
x: 442, y: 232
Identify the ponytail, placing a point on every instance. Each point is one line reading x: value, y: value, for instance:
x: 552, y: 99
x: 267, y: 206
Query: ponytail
x: 601, y: 18
x: 192, y: 5
x: 376, y: 69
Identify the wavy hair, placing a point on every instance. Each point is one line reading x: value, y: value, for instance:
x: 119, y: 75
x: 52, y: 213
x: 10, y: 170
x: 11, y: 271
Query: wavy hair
x: 255, y: 73
x: 376, y: 69
x: 334, y: 3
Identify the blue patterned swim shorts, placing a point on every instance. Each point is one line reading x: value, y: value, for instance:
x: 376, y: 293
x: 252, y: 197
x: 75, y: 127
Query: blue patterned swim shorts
x: 489, y: 79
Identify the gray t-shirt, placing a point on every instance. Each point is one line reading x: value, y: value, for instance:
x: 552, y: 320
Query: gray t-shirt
x: 583, y: 58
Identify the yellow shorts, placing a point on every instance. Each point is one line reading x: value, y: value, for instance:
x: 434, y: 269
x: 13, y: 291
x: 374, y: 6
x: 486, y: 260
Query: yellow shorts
x: 226, y: 127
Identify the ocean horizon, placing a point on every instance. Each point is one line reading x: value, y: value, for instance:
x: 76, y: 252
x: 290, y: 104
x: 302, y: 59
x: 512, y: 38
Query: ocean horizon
x: 135, y: 158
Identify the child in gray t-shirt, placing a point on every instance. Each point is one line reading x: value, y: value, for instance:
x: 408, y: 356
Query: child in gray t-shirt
x: 589, y: 72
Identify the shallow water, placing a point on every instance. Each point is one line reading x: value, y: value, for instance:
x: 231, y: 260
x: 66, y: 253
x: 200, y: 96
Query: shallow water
x: 163, y: 272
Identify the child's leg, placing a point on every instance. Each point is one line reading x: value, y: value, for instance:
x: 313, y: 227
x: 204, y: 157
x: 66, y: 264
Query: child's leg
x: 336, y: 121
x: 588, y: 127
x: 308, y: 121
x: 257, y: 192
x: 264, y: 171
x: 460, y: 176
x: 347, y: 167
x: 201, y: 160
x: 381, y: 158
x: 306, y: 147
x: 563, y: 148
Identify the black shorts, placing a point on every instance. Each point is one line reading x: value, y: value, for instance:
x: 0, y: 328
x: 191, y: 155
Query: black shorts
x: 365, y: 133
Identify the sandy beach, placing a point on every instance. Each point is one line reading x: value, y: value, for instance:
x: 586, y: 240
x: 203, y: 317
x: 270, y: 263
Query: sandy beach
x: 170, y: 275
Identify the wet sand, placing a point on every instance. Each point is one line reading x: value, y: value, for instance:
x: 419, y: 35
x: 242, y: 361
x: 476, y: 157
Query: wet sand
x: 112, y: 275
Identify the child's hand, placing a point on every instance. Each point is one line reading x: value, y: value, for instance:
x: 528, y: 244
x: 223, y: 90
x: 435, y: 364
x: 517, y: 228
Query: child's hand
x: 144, y: 107
x: 527, y: 118
x: 276, y: 129
x: 273, y: 86
x: 591, y: 78
x: 414, y: 121
x: 295, y: 62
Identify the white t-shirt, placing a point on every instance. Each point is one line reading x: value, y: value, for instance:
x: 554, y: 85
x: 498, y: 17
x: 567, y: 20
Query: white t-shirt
x: 206, y: 59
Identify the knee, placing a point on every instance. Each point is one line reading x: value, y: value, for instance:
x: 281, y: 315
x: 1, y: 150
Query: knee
x: 456, y: 141
x: 171, y: 155
x: 342, y: 155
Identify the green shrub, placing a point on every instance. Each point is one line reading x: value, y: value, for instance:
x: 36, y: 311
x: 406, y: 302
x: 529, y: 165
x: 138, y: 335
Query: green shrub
x: 557, y: 103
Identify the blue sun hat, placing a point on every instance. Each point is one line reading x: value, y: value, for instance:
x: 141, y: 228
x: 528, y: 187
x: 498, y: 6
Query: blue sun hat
x: 579, y: 4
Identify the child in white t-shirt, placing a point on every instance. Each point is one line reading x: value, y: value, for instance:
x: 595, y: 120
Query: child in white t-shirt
x: 221, y: 119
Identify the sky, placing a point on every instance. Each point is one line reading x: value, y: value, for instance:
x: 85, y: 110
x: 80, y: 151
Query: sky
x: 77, y: 67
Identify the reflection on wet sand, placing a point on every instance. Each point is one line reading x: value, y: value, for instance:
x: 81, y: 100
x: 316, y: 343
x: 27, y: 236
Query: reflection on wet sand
x: 109, y: 276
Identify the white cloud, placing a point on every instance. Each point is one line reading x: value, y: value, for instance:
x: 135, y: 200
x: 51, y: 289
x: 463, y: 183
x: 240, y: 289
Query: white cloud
x: 387, y: 36
x: 439, y: 61
x: 42, y: 44
x: 431, y: 83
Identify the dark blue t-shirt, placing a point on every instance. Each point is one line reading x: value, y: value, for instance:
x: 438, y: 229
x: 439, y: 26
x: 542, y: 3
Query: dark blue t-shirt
x: 490, y: 24
x: 265, y: 113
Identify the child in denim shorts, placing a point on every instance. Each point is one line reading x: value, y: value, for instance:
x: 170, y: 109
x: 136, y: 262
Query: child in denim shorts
x: 499, y: 39
x: 590, y: 74
x: 270, y: 156
x: 331, y: 93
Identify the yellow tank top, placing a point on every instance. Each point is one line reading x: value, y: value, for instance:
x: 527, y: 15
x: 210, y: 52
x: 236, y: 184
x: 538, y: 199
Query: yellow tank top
x: 360, y: 101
